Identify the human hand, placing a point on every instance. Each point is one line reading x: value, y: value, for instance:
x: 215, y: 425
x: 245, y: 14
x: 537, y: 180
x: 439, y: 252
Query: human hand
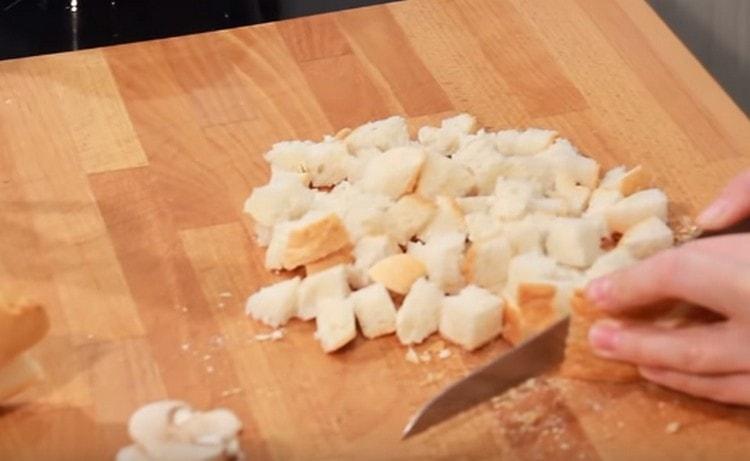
x: 712, y: 360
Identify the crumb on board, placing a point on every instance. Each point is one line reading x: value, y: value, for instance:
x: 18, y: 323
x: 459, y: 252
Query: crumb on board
x: 185, y: 346
x: 225, y: 294
x: 432, y: 378
x: 444, y: 353
x: 411, y: 356
x: 209, y: 369
x: 230, y: 392
x: 275, y: 335
x: 673, y: 427
x: 425, y: 357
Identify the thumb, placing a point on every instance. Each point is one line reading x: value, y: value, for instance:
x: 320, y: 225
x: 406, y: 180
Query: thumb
x: 732, y: 205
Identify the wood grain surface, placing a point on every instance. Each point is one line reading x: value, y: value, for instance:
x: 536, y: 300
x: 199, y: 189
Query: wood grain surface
x: 122, y: 177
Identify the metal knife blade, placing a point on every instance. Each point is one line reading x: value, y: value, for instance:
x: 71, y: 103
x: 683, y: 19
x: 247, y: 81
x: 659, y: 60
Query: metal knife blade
x: 530, y: 358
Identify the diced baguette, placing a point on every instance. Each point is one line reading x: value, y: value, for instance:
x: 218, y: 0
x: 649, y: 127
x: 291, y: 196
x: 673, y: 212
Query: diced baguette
x: 513, y: 198
x: 486, y: 263
x: 335, y: 323
x: 362, y: 213
x: 505, y: 141
x: 524, y: 236
x: 471, y: 318
x: 278, y: 201
x: 550, y: 205
x: 328, y: 163
x: 624, y: 181
x: 22, y: 324
x: 482, y: 226
x: 419, y: 315
x: 531, y: 141
x: 647, y: 237
x: 393, y: 173
x: 534, y: 312
x: 478, y: 153
x: 313, y: 238
x: 274, y: 305
x: 445, y: 140
x: 636, y: 208
x: 289, y: 155
x: 408, y: 216
x: 442, y: 256
x: 19, y: 374
x: 528, y: 267
x: 575, y: 241
x: 274, y: 259
x: 563, y: 158
x: 375, y: 311
x: 444, y: 176
x: 479, y: 204
x: 601, y: 200
x: 368, y: 251
x: 358, y: 165
x: 331, y: 283
x: 576, y: 197
x: 448, y: 218
x: 342, y: 256
x: 397, y: 272
x: 610, y: 261
x: 381, y: 134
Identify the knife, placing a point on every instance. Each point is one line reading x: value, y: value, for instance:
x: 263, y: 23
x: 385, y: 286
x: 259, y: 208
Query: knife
x: 530, y: 358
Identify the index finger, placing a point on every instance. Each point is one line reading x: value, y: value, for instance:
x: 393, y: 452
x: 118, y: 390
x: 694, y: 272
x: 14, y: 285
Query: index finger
x: 732, y: 205
x: 710, y: 281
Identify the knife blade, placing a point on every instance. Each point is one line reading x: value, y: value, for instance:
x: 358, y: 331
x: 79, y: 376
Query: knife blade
x: 530, y: 358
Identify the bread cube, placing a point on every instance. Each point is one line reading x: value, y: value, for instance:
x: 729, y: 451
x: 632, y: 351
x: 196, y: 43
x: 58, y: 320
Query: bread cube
x: 362, y: 213
x: 284, y: 199
x: 471, y: 318
x: 375, y: 311
x: 482, y: 226
x: 525, y: 236
x: 275, y: 304
x: 486, y: 263
x: 327, y: 163
x: 445, y: 140
x: 624, y: 181
x: 448, y: 218
x: 393, y: 173
x: 342, y: 256
x: 330, y: 283
x: 531, y: 141
x: 289, y: 155
x: 647, y: 237
x: 601, y: 200
x: 479, y: 204
x: 408, y: 216
x: 636, y: 208
x: 575, y: 241
x: 576, y: 197
x: 381, y: 134
x: 552, y: 206
x: 368, y: 251
x: 263, y: 234
x: 442, y: 256
x: 610, y: 261
x: 563, y: 158
x: 529, y: 267
x: 535, y: 311
x: 313, y: 237
x: 513, y: 198
x: 335, y: 323
x: 419, y: 314
x: 274, y: 259
x: 444, y: 176
x: 397, y: 272
x: 505, y: 141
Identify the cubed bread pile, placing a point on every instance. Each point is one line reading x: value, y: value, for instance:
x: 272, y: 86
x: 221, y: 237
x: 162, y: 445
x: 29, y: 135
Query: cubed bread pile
x: 463, y: 232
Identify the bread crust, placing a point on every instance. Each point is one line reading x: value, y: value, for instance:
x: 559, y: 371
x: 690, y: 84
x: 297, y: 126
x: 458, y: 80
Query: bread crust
x: 315, y: 241
x: 535, y: 311
x: 397, y: 272
x: 342, y: 256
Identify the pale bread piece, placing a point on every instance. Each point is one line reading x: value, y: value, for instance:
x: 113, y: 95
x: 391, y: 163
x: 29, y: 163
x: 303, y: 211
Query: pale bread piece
x: 335, y: 324
x: 282, y: 199
x: 408, y: 216
x: 395, y: 172
x: 448, y: 218
x: 513, y: 198
x: 528, y: 267
x: 580, y: 361
x: 327, y: 163
x: 576, y: 197
x: 471, y: 318
x: 575, y: 241
x: 289, y: 155
x: 535, y: 311
x: 358, y: 165
x: 275, y: 304
x: 525, y: 236
x: 342, y: 256
x: 624, y: 181
x: 478, y: 153
x: 647, y: 237
x: 553, y: 206
x: 397, y: 272
x: 419, y: 315
x: 486, y: 263
x: 444, y: 176
x: 263, y: 234
x: 19, y: 374
x: 442, y: 256
x: 611, y: 261
x: 23, y: 323
x: 274, y: 259
x: 562, y: 157
x: 476, y: 204
x: 368, y: 251
x: 601, y: 200
x: 362, y: 213
x: 375, y: 311
x: 446, y: 139
x: 381, y: 134
x: 482, y: 226
x: 528, y: 142
x: 636, y: 208
x: 330, y: 283
x: 313, y: 238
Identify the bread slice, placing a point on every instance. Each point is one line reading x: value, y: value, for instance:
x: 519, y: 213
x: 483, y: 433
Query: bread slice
x: 637, y: 208
x: 19, y: 374
x: 22, y: 324
x: 393, y: 173
x: 486, y: 263
x: 448, y: 218
x: 471, y: 318
x: 381, y: 134
x: 368, y: 251
x: 313, y: 238
x: 408, y: 216
x: 444, y: 176
x: 580, y: 361
x: 442, y: 256
x: 335, y: 323
x: 647, y: 237
x: 397, y: 272
x: 330, y: 283
x: 342, y: 256
x: 445, y: 140
x: 419, y: 315
x: 575, y: 241
x: 275, y: 304
x: 374, y: 310
x: 624, y: 181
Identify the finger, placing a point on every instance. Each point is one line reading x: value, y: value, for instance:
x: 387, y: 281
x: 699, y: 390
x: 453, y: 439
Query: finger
x: 734, y: 388
x: 735, y: 247
x: 732, y: 205
x: 714, y: 282
x: 716, y: 348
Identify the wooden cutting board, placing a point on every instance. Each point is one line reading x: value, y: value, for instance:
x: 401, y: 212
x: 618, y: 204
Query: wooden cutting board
x: 122, y: 177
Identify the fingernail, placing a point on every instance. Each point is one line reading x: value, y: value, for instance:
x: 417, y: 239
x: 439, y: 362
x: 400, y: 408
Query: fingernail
x: 600, y: 292
x: 603, y: 336
x: 714, y: 214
